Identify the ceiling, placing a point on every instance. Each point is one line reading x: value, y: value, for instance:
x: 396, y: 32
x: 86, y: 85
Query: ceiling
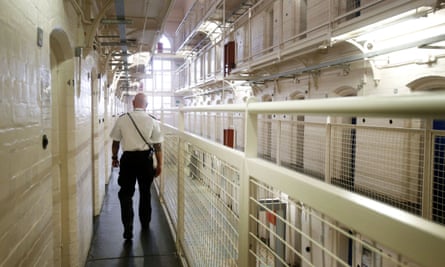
x: 125, y: 33
x: 134, y: 24
x: 119, y: 29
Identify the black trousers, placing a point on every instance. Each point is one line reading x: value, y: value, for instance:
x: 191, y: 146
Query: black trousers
x: 135, y: 166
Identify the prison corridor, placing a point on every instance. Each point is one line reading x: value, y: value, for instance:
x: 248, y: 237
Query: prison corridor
x: 154, y: 247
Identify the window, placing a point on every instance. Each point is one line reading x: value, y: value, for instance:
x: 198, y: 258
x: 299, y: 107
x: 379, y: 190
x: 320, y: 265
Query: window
x: 351, y: 5
x: 164, y: 45
x: 159, y: 83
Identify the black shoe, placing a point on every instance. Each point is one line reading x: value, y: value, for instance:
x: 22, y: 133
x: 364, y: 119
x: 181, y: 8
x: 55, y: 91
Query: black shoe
x: 145, y: 226
x: 128, y: 233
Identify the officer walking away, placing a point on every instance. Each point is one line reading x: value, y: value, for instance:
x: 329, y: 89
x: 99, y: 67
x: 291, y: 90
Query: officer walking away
x: 140, y: 136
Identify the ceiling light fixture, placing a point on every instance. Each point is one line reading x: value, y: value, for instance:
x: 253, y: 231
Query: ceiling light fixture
x: 382, y: 24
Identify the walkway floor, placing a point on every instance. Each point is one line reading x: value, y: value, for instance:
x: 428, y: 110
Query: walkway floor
x: 155, y: 247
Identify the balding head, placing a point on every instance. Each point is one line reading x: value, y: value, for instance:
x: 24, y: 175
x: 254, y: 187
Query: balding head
x: 140, y: 101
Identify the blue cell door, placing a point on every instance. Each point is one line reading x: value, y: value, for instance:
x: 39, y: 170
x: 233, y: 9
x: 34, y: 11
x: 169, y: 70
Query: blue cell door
x: 439, y: 174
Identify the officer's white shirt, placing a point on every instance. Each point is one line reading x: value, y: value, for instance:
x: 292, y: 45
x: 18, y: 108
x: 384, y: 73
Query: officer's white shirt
x: 129, y: 138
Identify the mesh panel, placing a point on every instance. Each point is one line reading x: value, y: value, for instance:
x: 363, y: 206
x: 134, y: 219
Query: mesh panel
x: 211, y: 210
x: 298, y: 140
x: 266, y: 140
x: 170, y: 174
x: 211, y: 125
x: 314, y: 149
x: 238, y: 125
x: 384, y: 164
x: 291, y: 145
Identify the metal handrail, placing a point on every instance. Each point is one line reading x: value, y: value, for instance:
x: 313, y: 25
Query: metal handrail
x: 385, y: 224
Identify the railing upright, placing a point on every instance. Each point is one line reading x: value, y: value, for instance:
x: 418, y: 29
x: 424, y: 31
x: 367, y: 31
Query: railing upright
x: 181, y: 196
x: 250, y: 141
x: 427, y: 190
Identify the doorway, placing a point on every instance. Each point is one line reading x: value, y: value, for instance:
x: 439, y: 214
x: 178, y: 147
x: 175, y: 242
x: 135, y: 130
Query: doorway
x: 62, y: 69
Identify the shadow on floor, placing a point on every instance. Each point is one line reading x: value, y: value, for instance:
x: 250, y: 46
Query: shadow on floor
x: 155, y: 247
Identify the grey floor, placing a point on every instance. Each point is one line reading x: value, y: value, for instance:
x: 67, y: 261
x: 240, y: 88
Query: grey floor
x: 155, y: 247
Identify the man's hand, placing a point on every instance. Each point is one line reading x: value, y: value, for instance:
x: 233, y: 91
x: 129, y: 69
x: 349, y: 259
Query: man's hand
x: 114, y: 150
x: 115, y: 163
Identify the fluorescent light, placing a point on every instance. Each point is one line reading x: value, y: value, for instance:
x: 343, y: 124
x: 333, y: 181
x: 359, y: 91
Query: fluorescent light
x: 415, y: 13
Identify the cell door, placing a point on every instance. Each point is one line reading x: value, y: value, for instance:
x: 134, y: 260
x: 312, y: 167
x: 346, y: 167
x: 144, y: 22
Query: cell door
x: 439, y: 173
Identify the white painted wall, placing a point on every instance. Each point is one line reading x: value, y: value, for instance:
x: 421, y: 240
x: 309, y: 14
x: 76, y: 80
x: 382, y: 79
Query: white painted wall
x: 46, y: 195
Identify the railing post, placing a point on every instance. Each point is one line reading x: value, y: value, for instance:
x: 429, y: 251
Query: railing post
x: 278, y: 138
x: 327, y: 156
x: 162, y: 179
x: 427, y: 185
x: 250, y: 141
x: 180, y: 196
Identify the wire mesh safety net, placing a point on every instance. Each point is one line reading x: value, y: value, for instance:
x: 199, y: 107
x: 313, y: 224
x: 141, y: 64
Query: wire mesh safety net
x: 383, y: 163
x: 211, y: 209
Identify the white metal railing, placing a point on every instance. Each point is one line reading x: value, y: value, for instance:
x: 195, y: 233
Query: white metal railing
x: 194, y: 16
x: 234, y: 208
x: 280, y: 30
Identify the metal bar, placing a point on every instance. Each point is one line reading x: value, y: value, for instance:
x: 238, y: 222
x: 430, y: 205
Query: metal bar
x: 413, y: 105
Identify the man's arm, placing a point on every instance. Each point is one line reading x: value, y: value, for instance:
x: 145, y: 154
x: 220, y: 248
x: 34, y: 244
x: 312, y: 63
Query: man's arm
x: 158, y: 153
x: 114, y: 151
